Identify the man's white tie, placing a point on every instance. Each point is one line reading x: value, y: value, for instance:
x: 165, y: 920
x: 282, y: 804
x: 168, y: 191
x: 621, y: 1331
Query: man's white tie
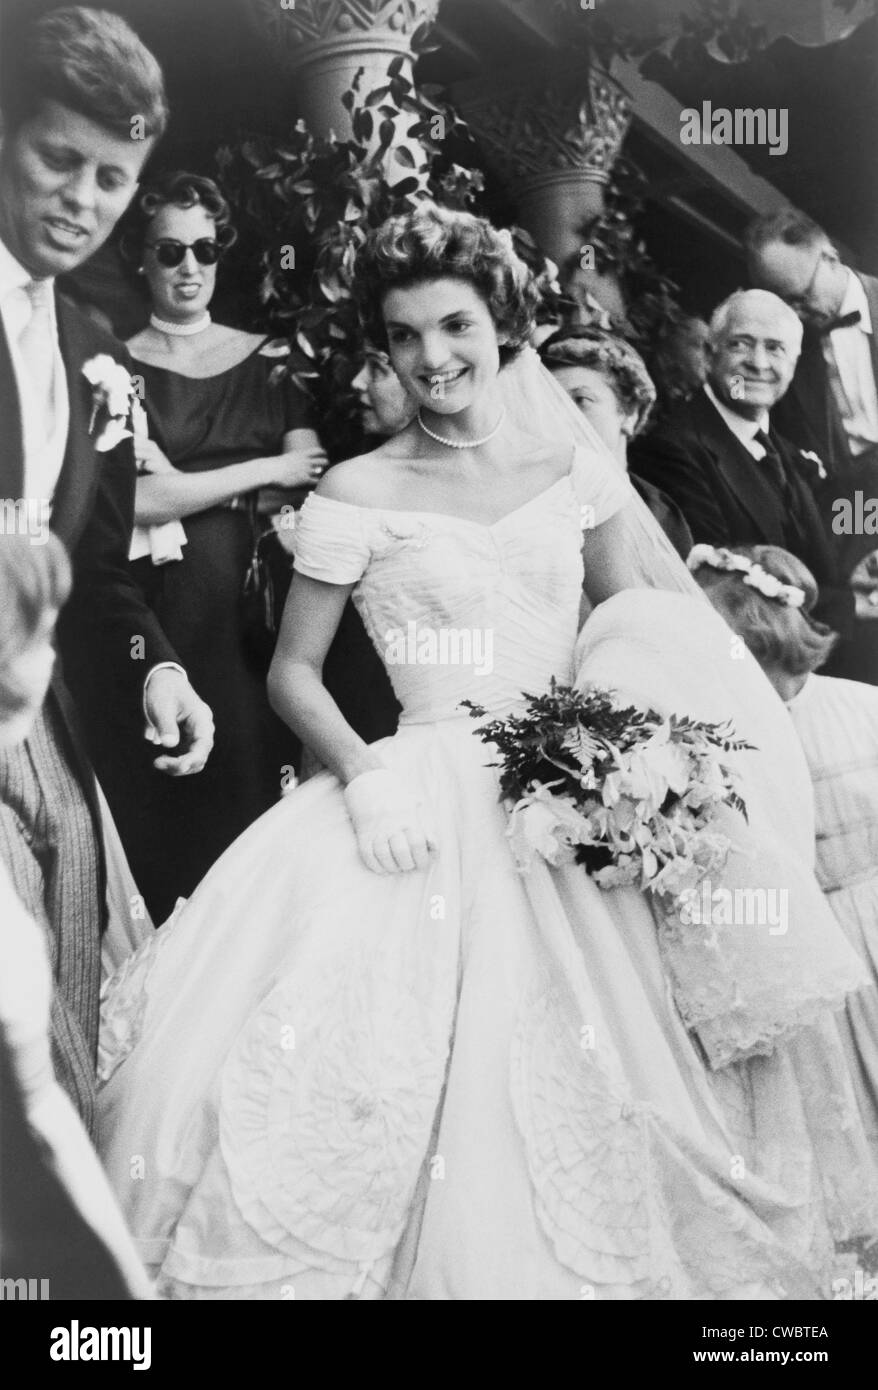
x: 37, y: 346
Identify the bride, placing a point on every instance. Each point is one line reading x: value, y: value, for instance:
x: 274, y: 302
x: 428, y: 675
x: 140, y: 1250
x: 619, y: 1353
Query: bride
x: 370, y: 1059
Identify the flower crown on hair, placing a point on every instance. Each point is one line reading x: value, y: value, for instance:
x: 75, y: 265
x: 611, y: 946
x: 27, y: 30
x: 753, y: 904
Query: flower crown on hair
x: 752, y: 573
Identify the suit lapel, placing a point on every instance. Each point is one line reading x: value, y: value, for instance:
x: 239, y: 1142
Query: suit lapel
x: 74, y: 492
x: 753, y: 493
x: 735, y: 464
x: 12, y: 440
x: 814, y: 393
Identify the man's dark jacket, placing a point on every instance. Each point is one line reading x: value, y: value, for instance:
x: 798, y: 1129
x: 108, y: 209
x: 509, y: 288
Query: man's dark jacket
x: 730, y: 498
x: 102, y: 662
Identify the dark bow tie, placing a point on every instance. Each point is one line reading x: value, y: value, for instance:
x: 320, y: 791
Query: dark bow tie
x: 843, y: 321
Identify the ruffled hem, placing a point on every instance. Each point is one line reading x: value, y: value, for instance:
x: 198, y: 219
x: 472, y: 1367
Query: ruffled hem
x: 628, y: 1203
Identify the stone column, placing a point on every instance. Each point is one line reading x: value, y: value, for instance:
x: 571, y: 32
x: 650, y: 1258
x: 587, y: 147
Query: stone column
x: 553, y: 139
x: 323, y: 43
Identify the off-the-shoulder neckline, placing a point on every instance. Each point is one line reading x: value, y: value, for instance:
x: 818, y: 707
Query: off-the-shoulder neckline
x: 567, y: 478
x: 258, y: 351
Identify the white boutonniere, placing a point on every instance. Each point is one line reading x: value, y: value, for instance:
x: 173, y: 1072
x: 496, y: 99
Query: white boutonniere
x: 814, y: 458
x: 113, y: 395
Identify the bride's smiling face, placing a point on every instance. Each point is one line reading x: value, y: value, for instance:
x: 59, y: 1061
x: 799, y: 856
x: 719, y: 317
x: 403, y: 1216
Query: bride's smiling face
x: 443, y: 343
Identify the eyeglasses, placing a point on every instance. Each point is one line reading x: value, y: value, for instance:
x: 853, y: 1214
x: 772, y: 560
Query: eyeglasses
x: 171, y: 253
x: 803, y: 298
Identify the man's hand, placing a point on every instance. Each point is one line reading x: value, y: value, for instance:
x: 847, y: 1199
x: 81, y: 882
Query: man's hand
x: 177, y: 715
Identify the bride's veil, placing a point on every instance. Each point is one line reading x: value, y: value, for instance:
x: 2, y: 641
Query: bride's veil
x: 741, y: 990
x: 539, y: 406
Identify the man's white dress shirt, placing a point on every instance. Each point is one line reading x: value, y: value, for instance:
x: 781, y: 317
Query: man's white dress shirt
x: 43, y: 447
x: 848, y: 356
x: 744, y: 429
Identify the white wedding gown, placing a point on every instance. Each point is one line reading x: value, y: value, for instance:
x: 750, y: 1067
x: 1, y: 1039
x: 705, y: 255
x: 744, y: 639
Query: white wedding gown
x: 326, y: 1083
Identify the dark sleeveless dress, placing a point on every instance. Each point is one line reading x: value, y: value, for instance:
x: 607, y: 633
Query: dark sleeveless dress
x: 174, y: 829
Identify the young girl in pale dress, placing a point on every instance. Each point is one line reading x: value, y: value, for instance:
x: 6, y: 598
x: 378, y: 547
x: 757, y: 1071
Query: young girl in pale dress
x: 837, y: 722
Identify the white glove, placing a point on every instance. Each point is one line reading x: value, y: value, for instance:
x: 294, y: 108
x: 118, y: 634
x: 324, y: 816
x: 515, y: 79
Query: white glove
x: 164, y: 541
x: 392, y: 829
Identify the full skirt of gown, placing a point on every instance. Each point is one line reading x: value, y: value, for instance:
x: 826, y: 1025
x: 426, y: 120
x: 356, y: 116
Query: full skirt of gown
x: 458, y: 1083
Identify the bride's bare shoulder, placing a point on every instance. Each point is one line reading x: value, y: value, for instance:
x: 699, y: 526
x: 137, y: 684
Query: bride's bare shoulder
x: 367, y: 480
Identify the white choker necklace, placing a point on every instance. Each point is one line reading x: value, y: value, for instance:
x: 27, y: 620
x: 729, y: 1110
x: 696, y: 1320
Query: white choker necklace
x: 179, y: 330
x: 463, y: 443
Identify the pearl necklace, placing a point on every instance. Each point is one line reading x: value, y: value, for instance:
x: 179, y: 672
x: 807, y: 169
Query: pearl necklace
x: 463, y: 443
x: 180, y: 330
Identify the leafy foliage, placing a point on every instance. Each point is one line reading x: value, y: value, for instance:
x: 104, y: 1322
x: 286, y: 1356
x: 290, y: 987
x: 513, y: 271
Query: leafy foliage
x: 630, y: 33
x: 535, y: 746
x: 726, y: 23
x: 304, y: 204
x: 651, y: 297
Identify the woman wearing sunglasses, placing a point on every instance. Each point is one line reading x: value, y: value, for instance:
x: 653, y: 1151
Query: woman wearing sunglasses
x: 227, y: 445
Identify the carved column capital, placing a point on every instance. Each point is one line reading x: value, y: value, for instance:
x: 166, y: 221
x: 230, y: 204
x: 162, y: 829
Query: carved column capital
x: 547, y: 128
x: 324, y: 43
x: 553, y: 137
x: 312, y: 30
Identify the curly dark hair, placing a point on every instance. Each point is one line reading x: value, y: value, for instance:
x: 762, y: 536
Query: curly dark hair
x: 178, y: 189
x: 434, y: 243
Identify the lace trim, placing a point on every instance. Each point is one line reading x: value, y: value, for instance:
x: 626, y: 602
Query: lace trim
x: 743, y: 1002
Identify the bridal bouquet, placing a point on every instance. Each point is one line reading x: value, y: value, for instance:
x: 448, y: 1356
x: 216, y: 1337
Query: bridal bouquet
x: 631, y: 796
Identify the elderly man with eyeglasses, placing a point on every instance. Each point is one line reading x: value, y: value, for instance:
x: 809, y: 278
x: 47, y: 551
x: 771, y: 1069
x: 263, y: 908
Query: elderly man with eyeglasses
x: 832, y: 406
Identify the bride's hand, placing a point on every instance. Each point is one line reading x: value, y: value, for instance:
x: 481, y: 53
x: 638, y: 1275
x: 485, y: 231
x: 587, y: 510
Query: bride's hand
x: 393, y: 834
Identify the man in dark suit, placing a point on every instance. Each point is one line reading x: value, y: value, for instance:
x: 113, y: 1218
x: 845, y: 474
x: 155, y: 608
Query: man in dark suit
x: 83, y: 105
x: 718, y: 455
x: 832, y: 404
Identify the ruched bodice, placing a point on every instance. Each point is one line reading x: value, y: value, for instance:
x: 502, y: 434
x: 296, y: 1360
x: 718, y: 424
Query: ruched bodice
x: 458, y: 609
x: 461, y: 611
